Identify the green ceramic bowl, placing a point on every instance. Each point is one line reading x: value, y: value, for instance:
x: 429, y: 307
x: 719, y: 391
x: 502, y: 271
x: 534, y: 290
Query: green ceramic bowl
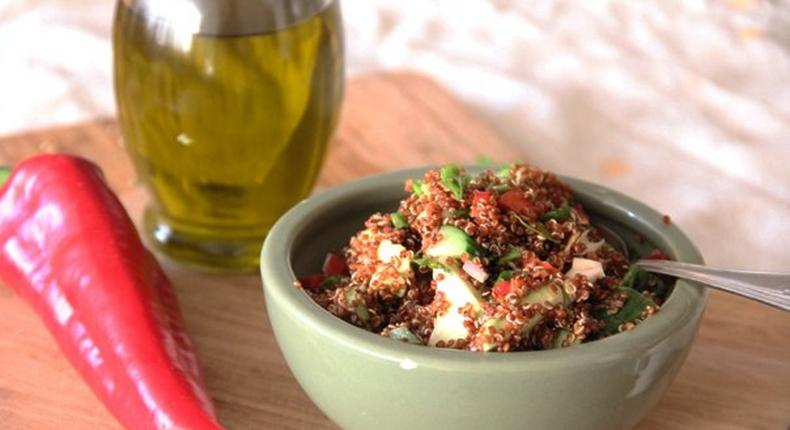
x: 364, y: 381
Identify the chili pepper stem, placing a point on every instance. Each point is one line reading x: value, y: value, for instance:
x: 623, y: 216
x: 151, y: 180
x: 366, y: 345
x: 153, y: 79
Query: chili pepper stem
x: 5, y: 171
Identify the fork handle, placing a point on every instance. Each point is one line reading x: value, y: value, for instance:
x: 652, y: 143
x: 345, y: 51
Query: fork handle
x: 766, y: 287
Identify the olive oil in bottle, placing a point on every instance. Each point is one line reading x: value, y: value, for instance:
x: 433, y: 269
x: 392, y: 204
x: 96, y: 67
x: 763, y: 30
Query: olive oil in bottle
x: 226, y: 108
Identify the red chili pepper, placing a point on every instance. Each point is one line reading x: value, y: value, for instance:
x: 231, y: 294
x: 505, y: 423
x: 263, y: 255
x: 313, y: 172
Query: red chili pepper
x: 334, y: 265
x: 313, y: 282
x: 501, y: 289
x: 68, y: 247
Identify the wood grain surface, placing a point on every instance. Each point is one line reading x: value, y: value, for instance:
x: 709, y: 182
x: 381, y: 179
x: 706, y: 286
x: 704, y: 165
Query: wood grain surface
x: 736, y: 377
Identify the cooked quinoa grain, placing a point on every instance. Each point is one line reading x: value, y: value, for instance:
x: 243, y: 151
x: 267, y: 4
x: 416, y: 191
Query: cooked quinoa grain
x: 503, y: 261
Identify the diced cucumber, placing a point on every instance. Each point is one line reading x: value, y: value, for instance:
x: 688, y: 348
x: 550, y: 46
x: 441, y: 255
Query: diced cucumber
x: 499, y: 323
x: 361, y: 308
x: 388, y: 251
x: 403, y: 334
x: 453, y: 243
x: 458, y: 293
x: 550, y: 294
x: 561, y: 337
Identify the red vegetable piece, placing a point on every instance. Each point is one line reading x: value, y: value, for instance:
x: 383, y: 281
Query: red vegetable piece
x: 514, y: 200
x: 334, y: 265
x: 480, y: 196
x: 70, y: 250
x: 501, y: 289
x: 583, y: 217
x: 313, y: 282
x: 546, y: 265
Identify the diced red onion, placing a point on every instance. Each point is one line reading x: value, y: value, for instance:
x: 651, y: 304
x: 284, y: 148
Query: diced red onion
x: 475, y: 271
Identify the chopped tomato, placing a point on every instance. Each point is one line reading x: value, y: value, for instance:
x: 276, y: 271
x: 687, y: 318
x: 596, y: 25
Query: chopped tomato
x: 480, y: 195
x: 334, y: 265
x: 533, y: 260
x: 501, y: 289
x: 312, y: 282
x: 514, y: 200
x: 583, y: 217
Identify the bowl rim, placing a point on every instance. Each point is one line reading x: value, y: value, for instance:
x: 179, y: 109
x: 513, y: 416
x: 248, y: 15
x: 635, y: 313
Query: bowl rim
x: 684, y: 305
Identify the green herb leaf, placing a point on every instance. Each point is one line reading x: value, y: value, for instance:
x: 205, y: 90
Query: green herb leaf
x: 503, y: 172
x: 453, y: 180
x: 398, y: 220
x: 631, y: 310
x: 416, y: 187
x: 504, y: 275
x: 512, y: 254
x: 403, y: 334
x: 560, y: 214
x: 538, y: 229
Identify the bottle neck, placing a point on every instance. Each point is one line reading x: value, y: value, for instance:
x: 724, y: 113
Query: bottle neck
x: 226, y: 17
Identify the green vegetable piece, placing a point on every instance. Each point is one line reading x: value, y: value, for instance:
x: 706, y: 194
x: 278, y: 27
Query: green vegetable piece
x: 416, y: 187
x: 512, y: 254
x: 503, y: 172
x: 398, y: 220
x: 361, y: 309
x: 403, y: 334
x: 631, y: 310
x: 504, y: 275
x: 630, y: 277
x: 454, y: 243
x: 429, y: 263
x: 453, y: 180
x: 550, y: 294
x: 636, y: 278
x: 561, y: 338
x: 332, y: 281
x: 501, y: 188
x: 538, y: 229
x: 560, y: 214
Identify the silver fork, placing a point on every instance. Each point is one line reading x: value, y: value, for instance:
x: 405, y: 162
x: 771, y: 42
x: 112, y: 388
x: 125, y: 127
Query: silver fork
x: 766, y: 287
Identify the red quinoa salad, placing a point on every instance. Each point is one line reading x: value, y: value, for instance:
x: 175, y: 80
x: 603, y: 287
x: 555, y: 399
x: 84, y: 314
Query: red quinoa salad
x: 506, y: 260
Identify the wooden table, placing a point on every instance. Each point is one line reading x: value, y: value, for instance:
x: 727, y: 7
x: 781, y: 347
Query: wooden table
x: 736, y: 377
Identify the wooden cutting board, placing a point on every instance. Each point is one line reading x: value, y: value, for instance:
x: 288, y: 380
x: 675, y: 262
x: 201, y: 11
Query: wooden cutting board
x: 736, y: 377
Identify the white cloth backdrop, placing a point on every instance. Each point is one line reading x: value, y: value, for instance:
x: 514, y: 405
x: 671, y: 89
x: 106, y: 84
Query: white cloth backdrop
x: 684, y: 104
